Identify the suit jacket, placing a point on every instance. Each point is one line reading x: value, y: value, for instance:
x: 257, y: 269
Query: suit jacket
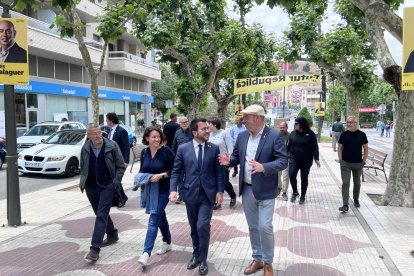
x: 16, y: 54
x: 210, y: 176
x: 409, y: 66
x: 271, y: 153
x: 121, y: 138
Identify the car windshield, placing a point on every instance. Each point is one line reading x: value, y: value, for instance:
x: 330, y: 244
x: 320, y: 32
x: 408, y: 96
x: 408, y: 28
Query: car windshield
x: 42, y: 130
x: 66, y: 138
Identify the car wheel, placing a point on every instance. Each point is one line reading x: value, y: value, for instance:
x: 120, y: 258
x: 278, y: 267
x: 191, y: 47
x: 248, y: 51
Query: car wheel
x: 72, y: 167
x: 134, y: 142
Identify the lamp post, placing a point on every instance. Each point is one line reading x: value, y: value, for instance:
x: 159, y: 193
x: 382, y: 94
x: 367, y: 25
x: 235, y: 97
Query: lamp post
x: 13, y: 190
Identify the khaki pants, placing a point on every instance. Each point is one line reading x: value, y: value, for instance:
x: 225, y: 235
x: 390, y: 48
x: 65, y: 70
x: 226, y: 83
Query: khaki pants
x: 346, y: 169
x: 283, y: 180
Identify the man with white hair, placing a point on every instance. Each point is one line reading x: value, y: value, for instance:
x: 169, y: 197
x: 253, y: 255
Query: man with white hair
x: 350, y: 146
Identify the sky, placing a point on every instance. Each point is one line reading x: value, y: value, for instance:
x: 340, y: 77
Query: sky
x: 275, y: 20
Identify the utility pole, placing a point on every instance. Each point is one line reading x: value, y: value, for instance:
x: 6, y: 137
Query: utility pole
x: 13, y: 190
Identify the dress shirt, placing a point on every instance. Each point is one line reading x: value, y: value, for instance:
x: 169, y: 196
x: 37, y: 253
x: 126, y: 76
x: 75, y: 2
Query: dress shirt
x: 111, y: 132
x: 251, y: 150
x: 195, y: 143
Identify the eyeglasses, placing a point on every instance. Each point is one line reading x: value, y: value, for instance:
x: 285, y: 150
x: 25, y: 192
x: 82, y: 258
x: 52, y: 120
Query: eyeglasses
x: 186, y: 122
x: 350, y: 122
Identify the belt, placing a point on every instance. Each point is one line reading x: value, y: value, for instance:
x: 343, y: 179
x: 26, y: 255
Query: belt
x: 247, y: 183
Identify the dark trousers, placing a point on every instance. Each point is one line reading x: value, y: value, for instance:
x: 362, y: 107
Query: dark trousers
x: 304, y: 166
x: 236, y: 169
x: 101, y: 200
x: 228, y: 186
x: 346, y: 169
x: 199, y: 217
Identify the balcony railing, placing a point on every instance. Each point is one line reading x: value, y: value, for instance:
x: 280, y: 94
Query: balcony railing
x: 122, y: 54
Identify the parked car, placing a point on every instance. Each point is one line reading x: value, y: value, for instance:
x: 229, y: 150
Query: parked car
x: 59, y: 154
x: 3, y: 152
x: 132, y: 139
x: 42, y: 131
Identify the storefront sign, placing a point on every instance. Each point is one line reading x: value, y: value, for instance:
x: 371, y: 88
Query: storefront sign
x: 367, y: 109
x: 76, y: 91
x: 14, y: 67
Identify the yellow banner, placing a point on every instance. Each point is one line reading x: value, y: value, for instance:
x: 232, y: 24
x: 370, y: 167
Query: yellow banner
x: 408, y: 50
x: 14, y: 66
x: 258, y: 84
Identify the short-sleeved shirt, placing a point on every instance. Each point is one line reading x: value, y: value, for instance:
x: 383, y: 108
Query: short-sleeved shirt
x: 352, y: 143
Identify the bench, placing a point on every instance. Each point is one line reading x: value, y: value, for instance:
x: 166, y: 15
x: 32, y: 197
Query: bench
x: 376, y: 161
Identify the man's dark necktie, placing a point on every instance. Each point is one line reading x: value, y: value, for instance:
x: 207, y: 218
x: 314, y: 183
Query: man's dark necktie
x: 200, y: 156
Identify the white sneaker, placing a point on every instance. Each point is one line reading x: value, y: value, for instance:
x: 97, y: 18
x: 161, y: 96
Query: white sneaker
x: 143, y: 260
x: 165, y: 247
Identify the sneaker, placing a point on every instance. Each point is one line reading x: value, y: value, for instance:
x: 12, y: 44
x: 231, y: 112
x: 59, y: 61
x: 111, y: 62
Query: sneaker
x: 110, y: 240
x: 165, y: 247
x: 293, y: 198
x: 143, y: 260
x: 217, y: 207
x: 285, y: 197
x: 92, y: 256
x: 344, y: 209
x: 302, y: 201
x: 232, y: 202
x: 356, y: 203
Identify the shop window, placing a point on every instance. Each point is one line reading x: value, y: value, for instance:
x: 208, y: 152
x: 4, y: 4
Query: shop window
x: 20, y: 110
x: 127, y: 83
x: 31, y: 100
x: 110, y: 79
x: 75, y: 73
x: 61, y: 70
x: 32, y: 65
x: 119, y: 81
x: 46, y: 67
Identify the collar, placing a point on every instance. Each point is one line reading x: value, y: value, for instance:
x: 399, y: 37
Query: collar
x: 114, y: 127
x: 195, y: 143
x: 5, y: 52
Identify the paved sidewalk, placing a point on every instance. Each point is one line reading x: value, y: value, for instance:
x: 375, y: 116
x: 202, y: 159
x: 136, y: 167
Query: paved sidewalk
x: 311, y: 239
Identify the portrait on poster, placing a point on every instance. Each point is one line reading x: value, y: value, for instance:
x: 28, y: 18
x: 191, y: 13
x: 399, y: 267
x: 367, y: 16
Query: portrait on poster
x: 14, y: 67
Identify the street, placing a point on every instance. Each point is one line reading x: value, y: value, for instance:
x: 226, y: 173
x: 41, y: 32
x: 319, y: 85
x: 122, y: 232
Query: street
x: 32, y: 182
x: 383, y: 144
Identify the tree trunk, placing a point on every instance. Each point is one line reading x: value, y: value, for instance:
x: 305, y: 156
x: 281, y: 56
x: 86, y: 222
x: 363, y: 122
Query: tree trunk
x: 222, y: 110
x: 194, y: 107
x: 400, y: 190
x: 354, y: 103
x: 95, y: 98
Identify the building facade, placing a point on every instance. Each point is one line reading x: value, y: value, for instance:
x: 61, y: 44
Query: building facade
x: 59, y: 82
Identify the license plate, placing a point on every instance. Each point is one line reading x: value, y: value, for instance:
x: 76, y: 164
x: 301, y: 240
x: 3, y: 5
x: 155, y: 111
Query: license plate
x: 33, y: 164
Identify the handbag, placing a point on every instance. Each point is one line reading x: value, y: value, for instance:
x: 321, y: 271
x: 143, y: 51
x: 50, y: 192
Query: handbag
x: 116, y: 198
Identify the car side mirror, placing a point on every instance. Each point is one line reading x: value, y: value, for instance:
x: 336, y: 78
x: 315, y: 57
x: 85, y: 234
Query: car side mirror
x: 43, y: 141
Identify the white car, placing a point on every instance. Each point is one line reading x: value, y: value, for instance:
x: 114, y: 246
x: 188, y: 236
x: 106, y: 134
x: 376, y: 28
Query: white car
x: 59, y: 154
x: 43, y: 131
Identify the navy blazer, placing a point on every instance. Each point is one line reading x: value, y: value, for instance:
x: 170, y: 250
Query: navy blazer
x: 121, y: 138
x: 210, y: 177
x: 271, y: 153
x: 16, y: 54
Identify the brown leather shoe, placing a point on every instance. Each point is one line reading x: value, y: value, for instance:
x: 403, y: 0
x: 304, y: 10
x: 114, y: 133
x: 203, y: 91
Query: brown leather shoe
x: 268, y: 270
x: 254, y: 266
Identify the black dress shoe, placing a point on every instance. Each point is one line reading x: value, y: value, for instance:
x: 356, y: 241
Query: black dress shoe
x: 193, y: 263
x: 203, y: 268
x: 232, y: 202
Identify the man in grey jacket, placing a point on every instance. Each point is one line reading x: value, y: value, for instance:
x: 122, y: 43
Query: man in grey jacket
x: 102, y: 167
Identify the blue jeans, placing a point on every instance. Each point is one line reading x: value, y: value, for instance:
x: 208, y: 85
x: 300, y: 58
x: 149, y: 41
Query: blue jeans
x: 101, y: 201
x: 259, y: 216
x: 158, y: 220
x: 304, y: 166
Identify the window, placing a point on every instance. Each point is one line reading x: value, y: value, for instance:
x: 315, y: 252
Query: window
x: 46, y: 67
x: 75, y: 73
x: 61, y: 70
x: 32, y: 65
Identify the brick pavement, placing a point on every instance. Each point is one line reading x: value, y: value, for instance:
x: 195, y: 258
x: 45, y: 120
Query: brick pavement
x: 311, y: 239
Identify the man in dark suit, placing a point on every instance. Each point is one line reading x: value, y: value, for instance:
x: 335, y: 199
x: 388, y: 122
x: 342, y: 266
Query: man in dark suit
x: 409, y: 66
x: 202, y: 188
x: 261, y: 153
x: 170, y: 128
x: 120, y: 136
x: 9, y: 50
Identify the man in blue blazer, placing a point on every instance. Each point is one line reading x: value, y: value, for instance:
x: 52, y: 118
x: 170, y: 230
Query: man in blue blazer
x: 120, y: 136
x: 203, y: 187
x: 261, y: 153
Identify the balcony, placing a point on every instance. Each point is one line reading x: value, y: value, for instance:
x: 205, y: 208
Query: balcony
x: 133, y: 66
x: 41, y: 37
